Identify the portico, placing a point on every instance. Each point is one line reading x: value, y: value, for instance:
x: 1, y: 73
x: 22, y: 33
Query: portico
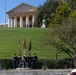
x: 22, y: 16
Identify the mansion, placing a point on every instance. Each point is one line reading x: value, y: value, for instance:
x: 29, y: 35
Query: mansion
x: 22, y: 16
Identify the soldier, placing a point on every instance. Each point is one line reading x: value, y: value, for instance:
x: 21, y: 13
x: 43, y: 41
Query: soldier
x: 35, y: 60
x: 25, y: 61
x: 29, y: 61
x: 19, y: 60
x: 15, y: 61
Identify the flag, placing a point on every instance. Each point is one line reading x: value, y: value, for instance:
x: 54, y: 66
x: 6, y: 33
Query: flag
x: 30, y: 45
x: 19, y: 48
x: 24, y: 43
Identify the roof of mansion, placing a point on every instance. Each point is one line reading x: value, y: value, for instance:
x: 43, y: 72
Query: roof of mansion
x: 23, y: 7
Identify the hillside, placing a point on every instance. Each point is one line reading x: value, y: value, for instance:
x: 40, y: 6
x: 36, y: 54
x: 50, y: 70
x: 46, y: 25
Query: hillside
x: 9, y: 39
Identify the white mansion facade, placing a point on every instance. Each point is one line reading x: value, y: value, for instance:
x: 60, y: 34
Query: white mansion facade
x: 21, y: 16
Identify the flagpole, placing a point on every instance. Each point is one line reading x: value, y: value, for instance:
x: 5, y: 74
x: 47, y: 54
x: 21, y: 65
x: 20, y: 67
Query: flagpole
x: 5, y: 13
x: 19, y: 48
x: 30, y: 45
x: 24, y: 46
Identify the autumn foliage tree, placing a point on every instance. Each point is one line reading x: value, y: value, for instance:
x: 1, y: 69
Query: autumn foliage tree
x: 63, y: 37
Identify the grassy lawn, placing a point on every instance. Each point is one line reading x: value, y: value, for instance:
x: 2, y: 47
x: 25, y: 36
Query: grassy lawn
x: 9, y: 39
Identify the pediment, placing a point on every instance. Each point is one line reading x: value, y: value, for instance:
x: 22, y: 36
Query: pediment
x: 22, y: 8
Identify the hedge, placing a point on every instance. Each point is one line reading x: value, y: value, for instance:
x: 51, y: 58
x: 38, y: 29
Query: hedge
x: 42, y: 64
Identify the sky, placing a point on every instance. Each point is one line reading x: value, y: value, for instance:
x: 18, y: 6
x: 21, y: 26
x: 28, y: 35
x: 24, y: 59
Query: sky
x: 10, y: 4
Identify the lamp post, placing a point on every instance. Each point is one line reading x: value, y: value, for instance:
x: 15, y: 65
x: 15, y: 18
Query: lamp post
x: 5, y: 13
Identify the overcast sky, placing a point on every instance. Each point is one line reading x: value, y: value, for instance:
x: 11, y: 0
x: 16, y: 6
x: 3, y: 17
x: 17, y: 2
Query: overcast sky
x: 10, y: 4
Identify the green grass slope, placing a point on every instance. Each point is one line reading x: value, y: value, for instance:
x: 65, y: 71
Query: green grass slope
x: 9, y: 39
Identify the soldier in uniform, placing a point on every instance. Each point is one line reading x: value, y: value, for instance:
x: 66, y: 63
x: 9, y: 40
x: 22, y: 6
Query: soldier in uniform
x: 25, y: 61
x: 19, y: 60
x: 15, y: 61
x: 35, y: 60
x: 29, y: 61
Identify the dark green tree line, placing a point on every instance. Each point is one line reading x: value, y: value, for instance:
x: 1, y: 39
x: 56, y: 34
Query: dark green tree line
x: 45, y: 11
x: 53, y: 11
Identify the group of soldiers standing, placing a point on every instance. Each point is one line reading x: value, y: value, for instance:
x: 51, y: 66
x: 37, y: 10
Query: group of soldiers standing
x: 25, y: 62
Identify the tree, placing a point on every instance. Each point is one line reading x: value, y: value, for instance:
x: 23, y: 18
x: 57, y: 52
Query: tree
x: 62, y: 11
x: 53, y: 11
x: 63, y: 37
x: 44, y: 12
x: 73, y: 13
x: 65, y: 9
x: 39, y: 16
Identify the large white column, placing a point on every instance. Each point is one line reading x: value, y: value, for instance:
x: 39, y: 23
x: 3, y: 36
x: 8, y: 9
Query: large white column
x: 15, y: 22
x: 9, y: 22
x: 21, y: 21
x: 33, y: 19
x: 27, y: 21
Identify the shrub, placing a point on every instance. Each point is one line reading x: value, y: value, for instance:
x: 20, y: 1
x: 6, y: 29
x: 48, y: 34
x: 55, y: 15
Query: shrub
x: 42, y: 64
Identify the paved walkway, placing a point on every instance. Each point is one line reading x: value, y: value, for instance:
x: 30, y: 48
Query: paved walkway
x: 21, y: 71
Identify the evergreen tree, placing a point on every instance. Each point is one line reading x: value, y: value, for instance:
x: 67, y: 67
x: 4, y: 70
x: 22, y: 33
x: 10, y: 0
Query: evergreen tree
x: 44, y: 12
